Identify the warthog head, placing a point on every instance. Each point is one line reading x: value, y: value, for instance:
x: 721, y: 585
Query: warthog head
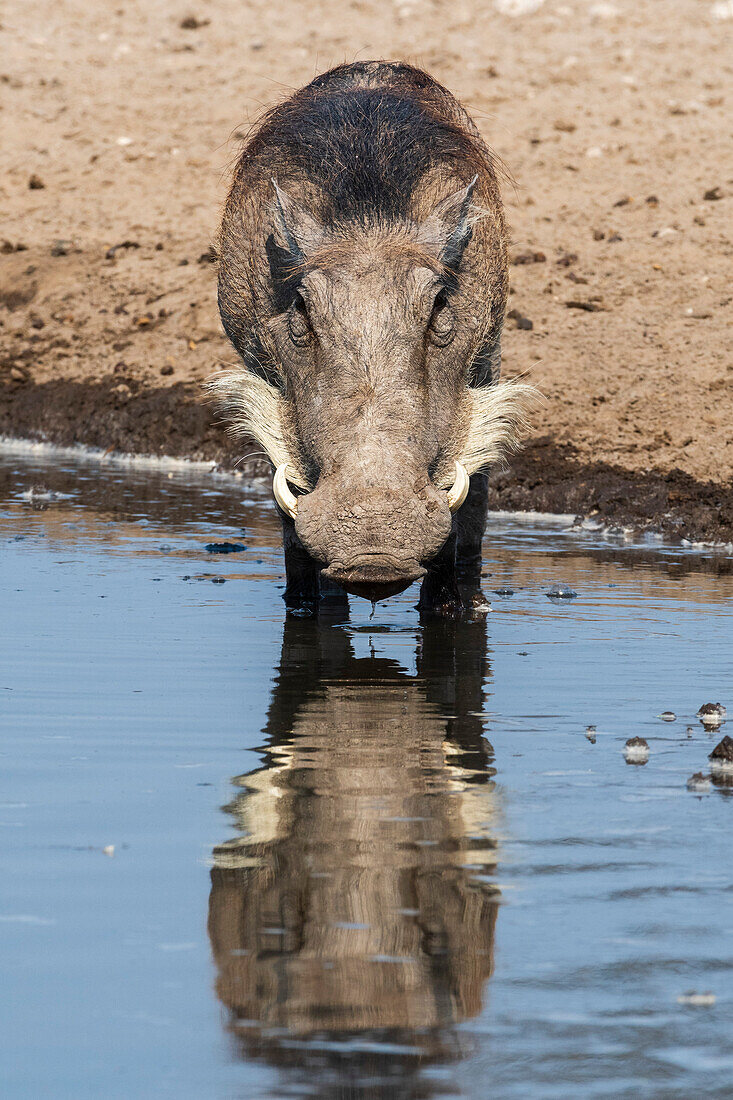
x: 370, y: 346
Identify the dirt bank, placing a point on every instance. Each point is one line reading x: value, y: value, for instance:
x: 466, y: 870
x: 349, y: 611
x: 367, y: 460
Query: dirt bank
x: 120, y: 122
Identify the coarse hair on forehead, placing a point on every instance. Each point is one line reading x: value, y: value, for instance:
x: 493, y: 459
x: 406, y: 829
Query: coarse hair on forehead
x: 364, y: 150
x: 345, y: 251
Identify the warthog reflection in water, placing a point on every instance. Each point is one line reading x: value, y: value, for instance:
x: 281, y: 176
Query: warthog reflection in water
x: 352, y: 920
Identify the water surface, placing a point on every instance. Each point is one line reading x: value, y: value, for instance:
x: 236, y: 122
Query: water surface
x: 245, y: 856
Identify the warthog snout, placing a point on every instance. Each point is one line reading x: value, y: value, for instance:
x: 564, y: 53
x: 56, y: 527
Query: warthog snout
x: 373, y: 541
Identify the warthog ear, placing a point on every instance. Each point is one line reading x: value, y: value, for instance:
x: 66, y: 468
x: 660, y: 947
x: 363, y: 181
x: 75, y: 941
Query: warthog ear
x: 448, y: 229
x: 295, y: 234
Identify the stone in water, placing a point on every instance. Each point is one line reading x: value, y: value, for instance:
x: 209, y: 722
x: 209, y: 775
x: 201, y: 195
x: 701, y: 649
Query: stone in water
x: 721, y: 758
x: 561, y: 592
x: 712, y: 715
x: 697, y: 1000
x: 636, y: 751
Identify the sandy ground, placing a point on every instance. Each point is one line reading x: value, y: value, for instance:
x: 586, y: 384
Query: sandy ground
x: 120, y: 121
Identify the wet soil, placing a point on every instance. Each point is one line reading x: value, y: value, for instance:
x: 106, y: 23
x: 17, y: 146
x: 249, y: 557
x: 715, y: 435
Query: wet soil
x: 121, y: 126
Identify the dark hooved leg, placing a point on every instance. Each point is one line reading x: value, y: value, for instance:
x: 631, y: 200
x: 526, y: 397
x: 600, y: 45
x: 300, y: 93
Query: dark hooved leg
x: 439, y: 595
x: 470, y: 527
x: 452, y: 586
x: 306, y: 592
x: 301, y: 573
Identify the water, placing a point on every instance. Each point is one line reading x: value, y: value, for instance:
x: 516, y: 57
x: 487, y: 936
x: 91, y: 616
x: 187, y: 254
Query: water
x: 357, y: 858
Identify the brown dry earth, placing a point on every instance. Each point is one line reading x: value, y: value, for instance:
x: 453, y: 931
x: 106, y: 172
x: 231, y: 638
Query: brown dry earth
x: 120, y: 121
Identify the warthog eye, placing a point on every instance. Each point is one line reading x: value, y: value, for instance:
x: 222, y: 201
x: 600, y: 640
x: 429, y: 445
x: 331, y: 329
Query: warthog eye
x: 442, y: 327
x: 299, y: 326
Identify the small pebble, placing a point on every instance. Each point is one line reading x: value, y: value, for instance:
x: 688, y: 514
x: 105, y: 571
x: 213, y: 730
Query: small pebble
x: 590, y: 733
x: 35, y: 183
x: 193, y: 23
x: 712, y: 714
x: 699, y: 782
x: 561, y: 592
x: 521, y: 258
x: 721, y: 758
x: 636, y: 750
x: 520, y: 320
x: 587, y: 305
x: 697, y: 1000
x: 668, y: 716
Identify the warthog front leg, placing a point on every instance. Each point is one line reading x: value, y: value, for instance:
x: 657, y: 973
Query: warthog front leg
x: 305, y: 589
x: 471, y: 525
x: 302, y: 591
x: 452, y: 586
x: 439, y: 595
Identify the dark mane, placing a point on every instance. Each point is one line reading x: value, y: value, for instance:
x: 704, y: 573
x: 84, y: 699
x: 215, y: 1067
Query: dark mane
x: 364, y: 148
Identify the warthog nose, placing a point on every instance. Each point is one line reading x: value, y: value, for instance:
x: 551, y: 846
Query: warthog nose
x: 374, y: 576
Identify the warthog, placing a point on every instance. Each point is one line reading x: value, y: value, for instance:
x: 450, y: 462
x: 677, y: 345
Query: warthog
x: 363, y: 281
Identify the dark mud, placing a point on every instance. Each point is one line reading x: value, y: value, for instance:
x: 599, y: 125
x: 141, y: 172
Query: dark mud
x: 124, y: 415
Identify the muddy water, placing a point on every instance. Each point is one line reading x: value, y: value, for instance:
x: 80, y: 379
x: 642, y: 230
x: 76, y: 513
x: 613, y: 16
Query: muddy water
x: 250, y: 857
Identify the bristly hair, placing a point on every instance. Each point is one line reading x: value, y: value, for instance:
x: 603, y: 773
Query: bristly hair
x: 498, y: 419
x: 365, y: 150
x: 256, y: 410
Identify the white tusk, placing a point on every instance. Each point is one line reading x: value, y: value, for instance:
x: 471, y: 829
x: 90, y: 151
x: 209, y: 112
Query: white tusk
x: 285, y: 499
x: 459, y: 489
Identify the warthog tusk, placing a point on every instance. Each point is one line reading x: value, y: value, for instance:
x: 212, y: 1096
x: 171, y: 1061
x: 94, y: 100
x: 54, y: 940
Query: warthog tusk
x: 285, y: 499
x: 288, y: 502
x: 459, y: 489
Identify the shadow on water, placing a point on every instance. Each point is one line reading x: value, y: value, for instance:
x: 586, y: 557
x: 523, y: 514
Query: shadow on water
x: 352, y: 918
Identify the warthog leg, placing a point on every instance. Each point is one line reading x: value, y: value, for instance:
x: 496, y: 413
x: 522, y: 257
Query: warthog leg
x: 439, y: 595
x: 302, y: 590
x: 470, y: 528
x: 452, y: 586
x: 306, y: 589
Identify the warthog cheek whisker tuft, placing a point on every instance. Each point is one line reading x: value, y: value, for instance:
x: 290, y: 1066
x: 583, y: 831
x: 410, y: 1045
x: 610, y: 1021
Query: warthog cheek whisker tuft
x: 255, y: 409
x: 499, y: 417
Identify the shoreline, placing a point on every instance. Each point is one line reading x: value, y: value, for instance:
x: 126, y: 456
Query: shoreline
x: 170, y: 424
